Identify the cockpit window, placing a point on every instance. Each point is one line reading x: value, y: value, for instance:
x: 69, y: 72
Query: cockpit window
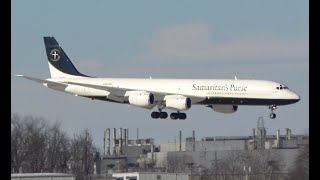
x: 282, y: 87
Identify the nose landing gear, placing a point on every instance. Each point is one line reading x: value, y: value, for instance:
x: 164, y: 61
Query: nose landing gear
x: 272, y: 108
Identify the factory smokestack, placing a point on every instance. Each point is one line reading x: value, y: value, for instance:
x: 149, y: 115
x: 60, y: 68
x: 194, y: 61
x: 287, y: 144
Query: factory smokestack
x: 107, y: 142
x: 193, y: 141
x: 137, y: 133
x: 127, y: 137
x: 120, y: 140
x: 180, y: 139
x: 114, y: 141
x: 290, y: 133
x: 125, y: 142
x: 287, y: 133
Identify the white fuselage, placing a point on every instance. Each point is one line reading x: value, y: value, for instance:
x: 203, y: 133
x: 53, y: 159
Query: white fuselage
x: 201, y: 91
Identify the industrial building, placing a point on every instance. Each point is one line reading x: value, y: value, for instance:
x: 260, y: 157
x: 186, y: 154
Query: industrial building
x: 150, y: 176
x: 124, y: 154
x: 42, y: 176
x: 193, y: 156
x: 259, y: 155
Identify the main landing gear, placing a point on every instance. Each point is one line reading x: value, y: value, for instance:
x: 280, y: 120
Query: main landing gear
x: 161, y: 115
x: 272, y: 108
x: 178, y: 115
x: 164, y: 115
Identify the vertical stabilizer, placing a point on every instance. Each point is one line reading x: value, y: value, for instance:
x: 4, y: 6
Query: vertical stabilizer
x: 59, y: 63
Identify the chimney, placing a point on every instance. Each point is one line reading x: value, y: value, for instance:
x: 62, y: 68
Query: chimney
x: 254, y: 134
x: 137, y: 133
x: 125, y: 137
x: 193, y: 141
x: 104, y: 143
x: 180, y: 139
x: 278, y: 134
x: 114, y: 141
x: 287, y: 133
x: 120, y: 140
x: 107, y: 142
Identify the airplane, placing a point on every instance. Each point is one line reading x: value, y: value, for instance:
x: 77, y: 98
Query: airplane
x: 221, y: 95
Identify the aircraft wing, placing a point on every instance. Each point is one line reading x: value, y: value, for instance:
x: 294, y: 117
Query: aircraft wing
x: 119, y: 91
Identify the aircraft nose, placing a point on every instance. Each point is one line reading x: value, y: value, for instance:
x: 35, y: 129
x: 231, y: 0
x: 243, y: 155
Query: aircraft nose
x: 296, y: 97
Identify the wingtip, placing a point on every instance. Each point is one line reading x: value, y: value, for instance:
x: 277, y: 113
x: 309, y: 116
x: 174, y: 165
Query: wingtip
x: 19, y: 75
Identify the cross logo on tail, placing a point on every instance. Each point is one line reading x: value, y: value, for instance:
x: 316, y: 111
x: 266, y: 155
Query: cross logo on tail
x: 55, y: 55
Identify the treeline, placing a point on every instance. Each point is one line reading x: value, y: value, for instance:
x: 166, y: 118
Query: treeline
x: 39, y: 147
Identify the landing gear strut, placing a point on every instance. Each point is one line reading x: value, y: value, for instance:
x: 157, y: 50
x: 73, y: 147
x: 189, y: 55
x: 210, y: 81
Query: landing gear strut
x: 272, y: 114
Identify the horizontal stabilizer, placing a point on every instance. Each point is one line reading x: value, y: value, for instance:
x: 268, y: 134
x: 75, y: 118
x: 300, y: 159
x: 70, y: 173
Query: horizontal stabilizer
x: 42, y: 81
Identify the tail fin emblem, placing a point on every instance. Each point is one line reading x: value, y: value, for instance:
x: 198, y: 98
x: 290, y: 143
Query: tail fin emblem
x: 55, y: 55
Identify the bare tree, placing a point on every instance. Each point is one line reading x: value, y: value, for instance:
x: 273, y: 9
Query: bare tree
x: 82, y: 154
x: 28, y: 147
x: 179, y: 163
x: 300, y: 170
x: 58, y: 152
x: 36, y: 146
x: 263, y: 162
x: 232, y: 165
x: 17, y: 144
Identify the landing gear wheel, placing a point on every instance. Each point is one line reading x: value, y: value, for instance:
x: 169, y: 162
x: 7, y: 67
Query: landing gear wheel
x: 272, y: 108
x: 178, y: 115
x: 272, y: 115
x: 182, y: 116
x: 163, y: 115
x: 174, y: 116
x: 155, y: 115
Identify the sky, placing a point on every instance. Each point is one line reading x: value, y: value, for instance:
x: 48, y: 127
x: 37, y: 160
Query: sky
x: 206, y: 39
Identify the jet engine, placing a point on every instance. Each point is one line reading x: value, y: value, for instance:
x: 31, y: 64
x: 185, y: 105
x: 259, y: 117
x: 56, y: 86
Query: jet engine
x: 178, y: 102
x: 224, y: 108
x: 141, y: 99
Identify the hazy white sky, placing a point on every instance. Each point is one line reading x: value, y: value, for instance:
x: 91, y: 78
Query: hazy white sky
x: 163, y: 39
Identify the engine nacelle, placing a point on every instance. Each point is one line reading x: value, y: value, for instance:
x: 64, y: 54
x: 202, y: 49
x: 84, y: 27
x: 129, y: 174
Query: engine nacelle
x: 178, y: 102
x: 141, y: 99
x: 224, y: 108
